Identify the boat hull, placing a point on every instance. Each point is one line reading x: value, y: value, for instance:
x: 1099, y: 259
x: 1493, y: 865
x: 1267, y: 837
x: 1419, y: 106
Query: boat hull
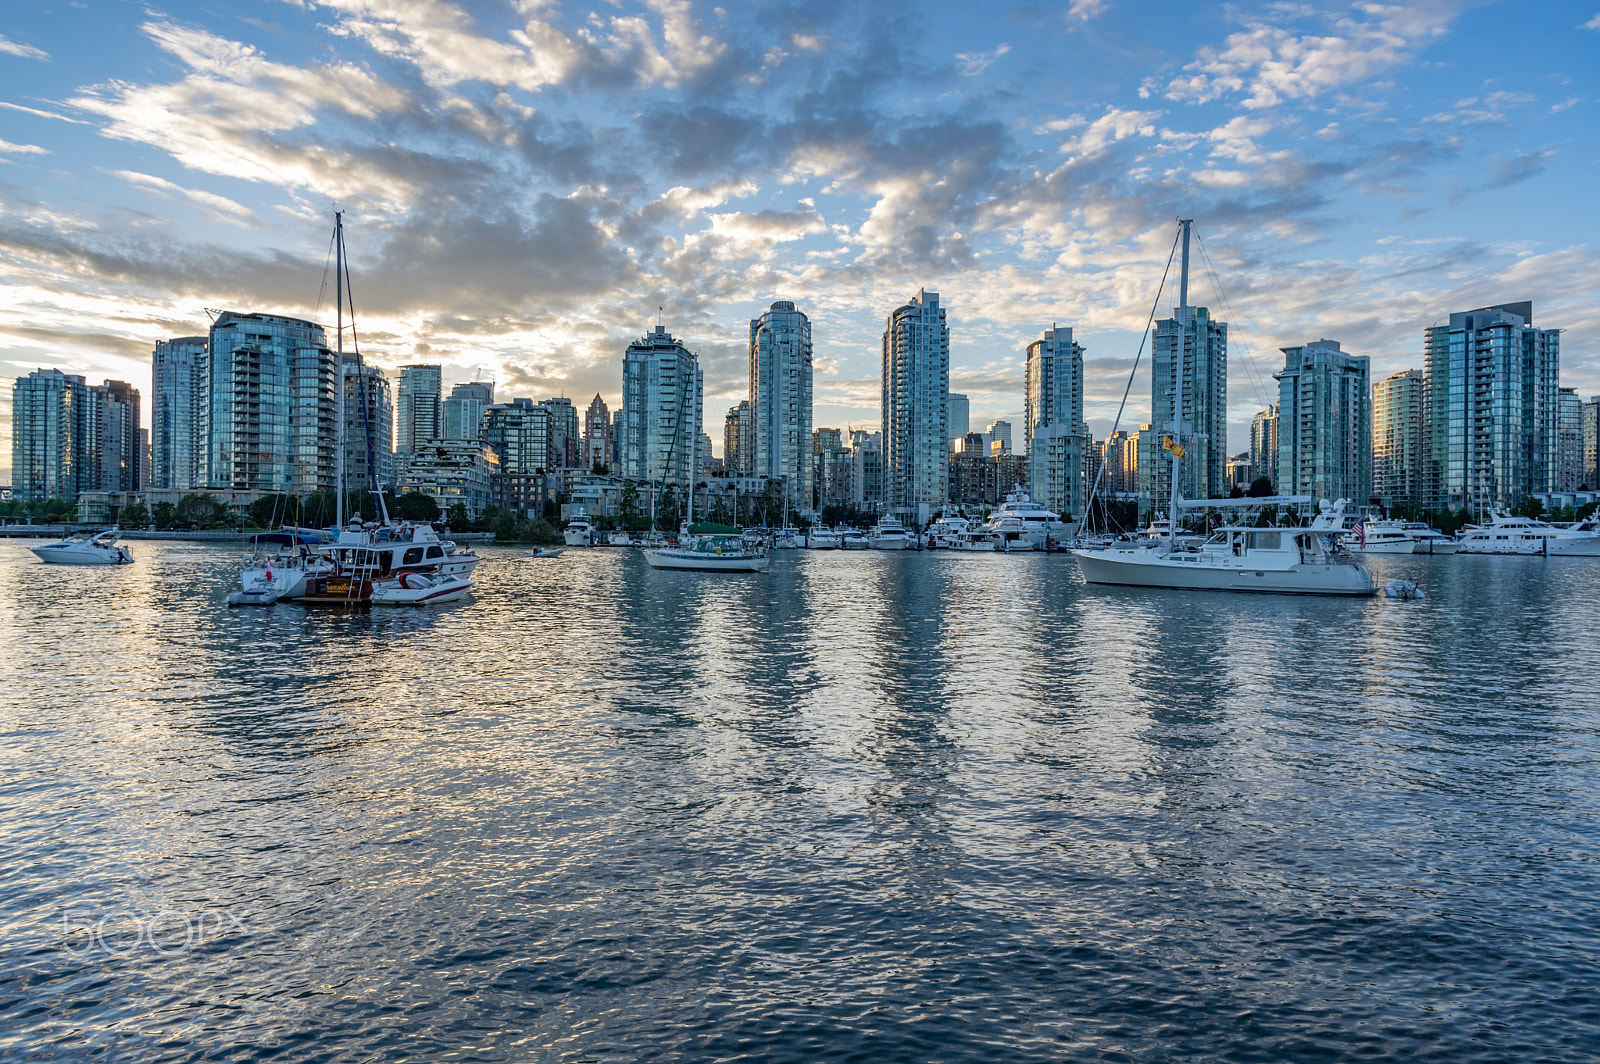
x: 708, y: 563
x: 395, y: 594
x: 1103, y: 567
x: 57, y: 556
x: 1401, y: 547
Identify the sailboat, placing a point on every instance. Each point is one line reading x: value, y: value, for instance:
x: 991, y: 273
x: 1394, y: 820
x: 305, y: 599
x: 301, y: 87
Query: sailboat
x: 1239, y: 557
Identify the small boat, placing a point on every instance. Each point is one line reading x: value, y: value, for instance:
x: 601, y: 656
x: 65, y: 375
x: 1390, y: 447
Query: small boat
x: 262, y: 593
x: 85, y: 548
x: 972, y: 540
x: 280, y: 562
x: 854, y: 539
x: 419, y: 589
x: 1379, y: 537
x: 547, y: 552
x: 719, y: 553
x: 786, y: 538
x: 1430, y: 540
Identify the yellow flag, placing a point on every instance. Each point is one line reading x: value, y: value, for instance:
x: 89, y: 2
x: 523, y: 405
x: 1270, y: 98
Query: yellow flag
x: 1172, y: 445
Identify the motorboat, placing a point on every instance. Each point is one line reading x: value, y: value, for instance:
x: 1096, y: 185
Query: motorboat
x: 279, y: 562
x: 949, y: 524
x: 419, y: 589
x: 618, y: 538
x: 973, y: 540
x: 546, y: 552
x: 1526, y: 535
x: 1239, y: 557
x: 367, y: 560
x: 578, y: 533
x: 820, y: 538
x: 1379, y: 537
x: 854, y: 539
x: 1426, y: 540
x: 889, y: 534
x: 1027, y: 525
x: 714, y: 553
x: 86, y: 548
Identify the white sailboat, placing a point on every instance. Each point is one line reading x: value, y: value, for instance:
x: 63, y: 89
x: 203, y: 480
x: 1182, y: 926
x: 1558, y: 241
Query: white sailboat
x: 1238, y: 557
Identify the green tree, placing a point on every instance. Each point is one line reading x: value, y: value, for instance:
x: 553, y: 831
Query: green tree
x: 458, y: 517
x: 134, y: 516
x: 163, y: 515
x: 1529, y: 507
x: 58, y: 510
x: 200, y: 511
x: 1260, y: 488
x: 269, y: 511
x: 601, y: 469
x: 415, y: 506
x: 628, y: 507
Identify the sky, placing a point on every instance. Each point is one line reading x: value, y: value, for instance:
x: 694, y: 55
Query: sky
x: 526, y: 182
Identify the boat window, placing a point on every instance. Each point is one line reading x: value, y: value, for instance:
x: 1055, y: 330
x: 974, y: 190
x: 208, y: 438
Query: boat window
x: 413, y: 556
x: 1265, y: 540
x: 435, y: 552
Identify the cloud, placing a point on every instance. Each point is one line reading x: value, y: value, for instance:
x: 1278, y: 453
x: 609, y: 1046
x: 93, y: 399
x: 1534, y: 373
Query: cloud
x: 8, y: 148
x: 1084, y: 10
x: 217, y: 207
x: 41, y: 114
x: 26, y: 51
x: 971, y: 64
x: 1592, y: 24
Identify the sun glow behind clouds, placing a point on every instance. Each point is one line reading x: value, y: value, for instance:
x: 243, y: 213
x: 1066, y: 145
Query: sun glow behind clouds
x: 526, y: 185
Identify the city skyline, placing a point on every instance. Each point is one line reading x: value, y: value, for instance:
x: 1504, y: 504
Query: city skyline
x: 525, y: 191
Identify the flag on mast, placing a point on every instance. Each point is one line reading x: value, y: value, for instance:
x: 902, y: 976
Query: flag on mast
x: 1172, y: 445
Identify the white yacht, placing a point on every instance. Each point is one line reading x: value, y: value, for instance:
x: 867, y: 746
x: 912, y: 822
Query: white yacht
x: 1380, y: 537
x: 389, y: 565
x: 1025, y: 524
x: 1525, y: 535
x: 973, y: 539
x: 579, y: 532
x: 788, y: 538
x: 942, y: 533
x: 86, y: 548
x: 1307, y: 561
x: 854, y: 539
x: 618, y: 538
x: 889, y: 534
x: 820, y: 538
x: 1427, y: 540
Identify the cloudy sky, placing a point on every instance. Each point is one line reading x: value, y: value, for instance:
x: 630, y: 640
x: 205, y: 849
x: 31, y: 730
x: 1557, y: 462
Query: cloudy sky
x: 526, y: 181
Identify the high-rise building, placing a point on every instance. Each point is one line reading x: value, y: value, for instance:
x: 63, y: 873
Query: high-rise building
x: 736, y: 441
x: 272, y: 413
x: 368, y: 428
x: 661, y: 396
x: 418, y: 406
x: 1569, y: 440
x: 47, y: 429
x: 1399, y: 438
x: 115, y: 452
x: 1204, y: 347
x: 596, y: 434
x: 1591, y: 443
x: 1324, y: 423
x: 1119, y: 465
x: 915, y: 410
x: 1492, y: 409
x: 1264, y: 445
x: 461, y: 415
x: 178, y: 404
x: 520, y: 433
x: 866, y: 467
x: 780, y: 399
x: 451, y: 472
x: 999, y: 432
x: 831, y: 459
x: 566, y: 438
x: 960, y: 418
x: 1053, y: 425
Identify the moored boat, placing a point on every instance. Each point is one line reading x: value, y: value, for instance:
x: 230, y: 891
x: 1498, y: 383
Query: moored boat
x: 889, y: 534
x: 1506, y: 534
x: 85, y: 548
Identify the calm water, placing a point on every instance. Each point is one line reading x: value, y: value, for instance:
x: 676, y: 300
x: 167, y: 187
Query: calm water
x: 867, y: 807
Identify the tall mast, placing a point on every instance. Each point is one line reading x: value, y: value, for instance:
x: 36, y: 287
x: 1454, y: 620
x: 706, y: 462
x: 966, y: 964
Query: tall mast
x: 1177, y: 405
x: 338, y: 368
x: 694, y: 432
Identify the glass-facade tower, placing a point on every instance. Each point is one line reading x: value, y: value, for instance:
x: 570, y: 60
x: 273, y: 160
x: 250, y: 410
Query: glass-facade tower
x: 916, y: 405
x: 780, y: 400
x: 661, y: 408
x: 1324, y: 423
x: 178, y: 413
x: 272, y: 410
x: 1053, y: 425
x: 1398, y: 439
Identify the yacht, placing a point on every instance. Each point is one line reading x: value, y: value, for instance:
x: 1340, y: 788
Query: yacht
x: 786, y: 538
x: 820, y: 538
x: 1380, y: 537
x: 1037, y: 524
x: 719, y: 552
x: 854, y: 539
x: 579, y: 532
x: 943, y: 531
x: 393, y: 565
x: 1306, y: 561
x: 86, y: 548
x: 618, y: 538
x: 1430, y: 540
x: 1525, y: 535
x: 889, y: 534
x: 975, y: 539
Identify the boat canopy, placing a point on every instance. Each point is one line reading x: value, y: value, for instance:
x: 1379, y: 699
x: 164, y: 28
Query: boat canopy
x: 1244, y: 503
x: 285, y: 538
x: 712, y: 528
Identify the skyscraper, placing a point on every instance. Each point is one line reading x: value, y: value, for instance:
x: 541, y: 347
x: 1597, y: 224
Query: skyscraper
x: 736, y: 443
x: 915, y: 409
x: 1324, y: 423
x: 47, y: 446
x: 1204, y: 347
x: 273, y: 409
x: 661, y: 396
x: 1492, y: 408
x: 178, y: 405
x: 461, y: 415
x: 1569, y: 440
x: 596, y: 434
x: 418, y: 406
x: 566, y: 439
x: 1053, y: 425
x: 960, y: 418
x: 368, y: 428
x: 1399, y: 439
x: 1264, y: 445
x: 519, y: 432
x: 999, y: 432
x: 780, y: 399
x: 114, y: 450
x: 1591, y: 443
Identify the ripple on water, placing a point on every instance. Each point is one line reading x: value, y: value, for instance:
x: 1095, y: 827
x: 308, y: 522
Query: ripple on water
x: 864, y: 807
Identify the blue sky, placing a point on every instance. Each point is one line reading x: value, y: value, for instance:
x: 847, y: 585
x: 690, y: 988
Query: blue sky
x: 526, y: 182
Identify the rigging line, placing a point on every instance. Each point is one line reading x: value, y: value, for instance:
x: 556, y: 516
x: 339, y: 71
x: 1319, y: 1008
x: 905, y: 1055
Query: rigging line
x: 1257, y: 384
x: 1100, y: 472
x: 323, y: 291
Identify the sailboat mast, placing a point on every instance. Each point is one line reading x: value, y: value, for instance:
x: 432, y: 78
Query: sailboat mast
x: 338, y: 368
x: 1177, y: 405
x: 694, y: 435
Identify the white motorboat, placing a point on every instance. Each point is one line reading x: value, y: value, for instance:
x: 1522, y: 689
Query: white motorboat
x: 1427, y: 540
x: 854, y: 539
x: 820, y: 538
x: 1009, y: 532
x: 86, y: 548
x: 546, y: 552
x: 973, y: 540
x: 1024, y: 524
x: 578, y: 533
x: 889, y: 534
x: 419, y: 589
x: 1525, y: 535
x: 949, y: 524
x: 720, y: 553
x: 1305, y: 561
x: 1379, y: 537
x: 618, y: 538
